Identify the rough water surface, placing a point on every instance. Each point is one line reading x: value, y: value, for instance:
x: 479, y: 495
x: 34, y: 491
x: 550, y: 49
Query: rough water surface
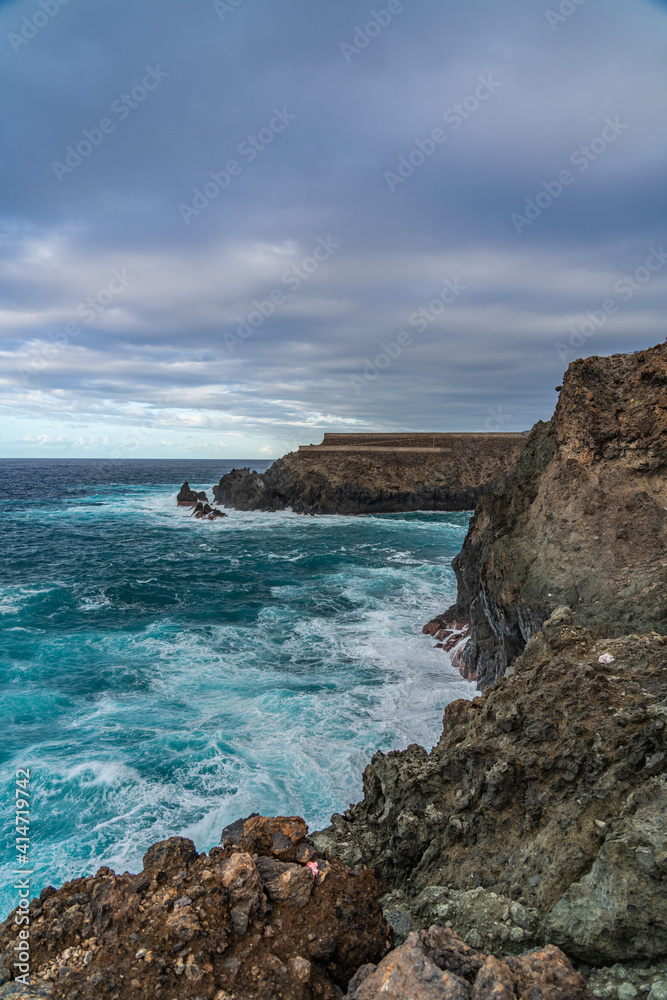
x: 162, y: 675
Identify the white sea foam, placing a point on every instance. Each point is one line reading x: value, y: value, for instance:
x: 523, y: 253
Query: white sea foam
x: 212, y: 675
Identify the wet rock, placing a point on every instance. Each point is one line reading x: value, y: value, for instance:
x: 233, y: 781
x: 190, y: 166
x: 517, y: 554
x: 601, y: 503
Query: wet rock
x: 188, y: 498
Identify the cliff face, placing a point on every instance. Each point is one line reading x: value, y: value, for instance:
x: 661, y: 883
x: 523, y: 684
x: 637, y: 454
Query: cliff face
x: 584, y: 521
x: 541, y: 814
x: 393, y: 473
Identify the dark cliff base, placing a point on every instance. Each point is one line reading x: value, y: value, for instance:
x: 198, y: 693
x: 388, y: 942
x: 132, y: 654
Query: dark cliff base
x: 361, y: 479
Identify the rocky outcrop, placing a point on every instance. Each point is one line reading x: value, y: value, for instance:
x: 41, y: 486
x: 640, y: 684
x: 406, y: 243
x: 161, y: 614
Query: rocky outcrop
x: 253, y: 920
x: 226, y: 924
x: 188, y: 498
x: 539, y: 817
x: 204, y: 510
x: 443, y: 472
x: 437, y: 965
x: 583, y: 523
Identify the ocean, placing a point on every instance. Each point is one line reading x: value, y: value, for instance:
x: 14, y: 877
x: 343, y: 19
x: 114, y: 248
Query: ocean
x: 165, y: 676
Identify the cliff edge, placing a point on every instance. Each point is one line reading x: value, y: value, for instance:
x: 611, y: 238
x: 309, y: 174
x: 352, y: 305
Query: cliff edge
x: 584, y: 521
x: 378, y: 473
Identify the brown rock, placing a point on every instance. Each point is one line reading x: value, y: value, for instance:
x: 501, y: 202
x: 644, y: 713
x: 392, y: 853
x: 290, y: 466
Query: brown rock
x: 240, y: 877
x: 182, y: 924
x: 172, y: 853
x: 300, y: 969
x: 494, y: 981
x: 195, y: 926
x: 366, y: 473
x: 407, y: 973
x: 283, y: 880
x: 547, y: 974
x: 273, y: 836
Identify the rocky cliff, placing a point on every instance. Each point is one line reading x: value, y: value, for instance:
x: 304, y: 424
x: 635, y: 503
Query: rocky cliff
x: 583, y: 523
x: 537, y: 823
x: 368, y: 473
x: 263, y: 917
x: 541, y: 814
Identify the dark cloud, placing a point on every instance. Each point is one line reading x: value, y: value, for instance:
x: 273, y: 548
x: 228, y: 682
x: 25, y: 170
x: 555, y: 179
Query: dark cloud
x: 327, y: 111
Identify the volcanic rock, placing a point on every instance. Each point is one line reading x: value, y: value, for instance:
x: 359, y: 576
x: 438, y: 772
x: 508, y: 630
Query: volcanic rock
x: 392, y: 473
x: 188, y: 497
x: 436, y: 965
x: 192, y: 925
x: 540, y: 814
x: 583, y: 524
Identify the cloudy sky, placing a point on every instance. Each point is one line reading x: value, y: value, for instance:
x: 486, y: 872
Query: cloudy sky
x: 227, y: 226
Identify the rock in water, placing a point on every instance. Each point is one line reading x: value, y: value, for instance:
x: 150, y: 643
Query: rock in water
x: 188, y: 497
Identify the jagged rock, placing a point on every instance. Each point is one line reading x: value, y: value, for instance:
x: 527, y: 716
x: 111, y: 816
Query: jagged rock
x: 618, y: 910
x: 190, y: 925
x: 172, y: 853
x: 484, y: 919
x: 202, y: 510
x: 583, y: 523
x: 436, y: 965
x: 274, y: 836
x: 188, y: 497
x: 484, y: 821
x: 286, y: 881
x: 627, y: 981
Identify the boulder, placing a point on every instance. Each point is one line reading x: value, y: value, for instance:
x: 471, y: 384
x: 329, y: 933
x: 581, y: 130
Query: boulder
x: 436, y: 965
x: 188, y: 498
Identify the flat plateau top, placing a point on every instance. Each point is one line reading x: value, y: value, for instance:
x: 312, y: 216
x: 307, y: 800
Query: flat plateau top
x: 422, y: 442
x: 368, y: 447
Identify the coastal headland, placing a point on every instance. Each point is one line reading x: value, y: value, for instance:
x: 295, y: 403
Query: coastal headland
x: 525, y: 856
x: 378, y: 473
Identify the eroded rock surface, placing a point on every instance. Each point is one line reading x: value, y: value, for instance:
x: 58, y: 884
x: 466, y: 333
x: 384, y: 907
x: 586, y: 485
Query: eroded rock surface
x: 546, y: 792
x: 188, y: 498
x: 437, y: 965
x: 346, y: 481
x: 584, y: 523
x: 230, y: 924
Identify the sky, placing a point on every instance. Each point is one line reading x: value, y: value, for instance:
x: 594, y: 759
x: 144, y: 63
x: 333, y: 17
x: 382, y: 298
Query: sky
x: 229, y: 226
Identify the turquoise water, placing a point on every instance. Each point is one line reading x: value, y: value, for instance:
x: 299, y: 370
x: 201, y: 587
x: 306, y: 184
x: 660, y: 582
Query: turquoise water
x: 163, y: 676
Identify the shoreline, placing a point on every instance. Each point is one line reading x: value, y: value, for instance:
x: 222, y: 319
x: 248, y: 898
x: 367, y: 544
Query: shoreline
x: 535, y: 828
